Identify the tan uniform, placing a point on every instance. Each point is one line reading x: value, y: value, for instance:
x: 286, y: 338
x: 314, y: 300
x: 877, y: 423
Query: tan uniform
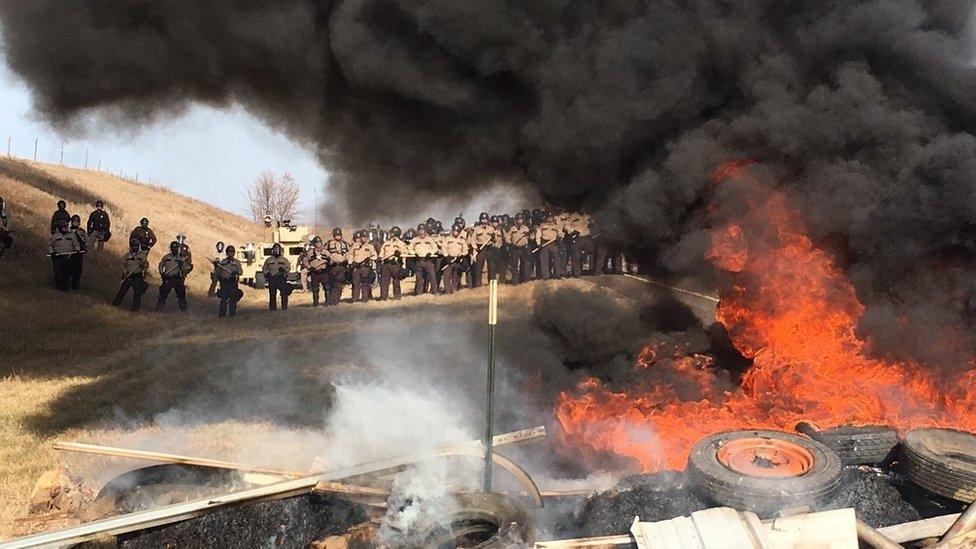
x: 63, y: 244
x: 276, y: 271
x: 390, y: 253
x: 453, y: 248
x: 338, y: 251
x: 317, y: 263
x: 551, y: 259
x: 483, y: 234
x: 519, y: 255
x: 227, y: 274
x: 173, y: 272
x: 486, y: 241
x: 362, y: 255
x: 134, y: 267
x: 425, y: 270
x: 578, y: 234
x: 63, y: 248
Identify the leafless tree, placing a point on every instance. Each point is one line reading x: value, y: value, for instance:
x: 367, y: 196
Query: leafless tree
x: 273, y: 195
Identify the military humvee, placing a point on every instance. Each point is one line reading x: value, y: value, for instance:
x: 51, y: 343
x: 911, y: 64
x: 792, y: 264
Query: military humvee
x: 252, y: 256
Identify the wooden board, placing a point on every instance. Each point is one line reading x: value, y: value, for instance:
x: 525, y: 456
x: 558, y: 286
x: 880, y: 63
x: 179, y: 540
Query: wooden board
x: 181, y: 511
x: 835, y: 529
x: 933, y: 527
x: 602, y: 542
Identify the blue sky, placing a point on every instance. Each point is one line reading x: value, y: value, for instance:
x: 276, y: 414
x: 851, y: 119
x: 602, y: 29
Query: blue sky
x: 207, y: 153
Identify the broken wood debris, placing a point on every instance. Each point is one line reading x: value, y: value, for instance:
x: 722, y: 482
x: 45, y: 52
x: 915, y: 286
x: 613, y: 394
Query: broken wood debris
x: 291, y: 487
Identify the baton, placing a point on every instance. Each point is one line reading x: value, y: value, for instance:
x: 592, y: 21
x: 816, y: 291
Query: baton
x: 543, y: 246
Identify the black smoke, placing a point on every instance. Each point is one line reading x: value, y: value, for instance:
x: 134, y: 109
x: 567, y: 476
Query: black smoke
x: 863, y: 113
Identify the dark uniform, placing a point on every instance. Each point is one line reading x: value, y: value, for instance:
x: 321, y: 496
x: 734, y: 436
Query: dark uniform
x: 59, y: 215
x: 276, y: 269
x: 173, y: 269
x: 99, y: 226
x: 5, y: 241
x: 145, y: 235
x: 228, y: 270
x: 62, y: 247
x: 338, y: 250
x: 134, y: 267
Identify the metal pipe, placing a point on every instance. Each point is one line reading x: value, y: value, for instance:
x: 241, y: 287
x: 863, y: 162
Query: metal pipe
x: 490, y: 396
x: 963, y: 524
x: 874, y: 538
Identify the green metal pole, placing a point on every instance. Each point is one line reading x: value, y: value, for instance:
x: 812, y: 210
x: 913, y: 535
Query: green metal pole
x: 490, y: 397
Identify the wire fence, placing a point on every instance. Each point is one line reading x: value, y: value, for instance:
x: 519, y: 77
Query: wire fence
x: 64, y: 153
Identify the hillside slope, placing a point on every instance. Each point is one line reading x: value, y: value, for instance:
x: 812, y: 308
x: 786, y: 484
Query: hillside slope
x: 52, y: 342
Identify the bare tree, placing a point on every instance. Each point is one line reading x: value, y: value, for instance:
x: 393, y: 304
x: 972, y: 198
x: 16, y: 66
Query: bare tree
x: 274, y: 196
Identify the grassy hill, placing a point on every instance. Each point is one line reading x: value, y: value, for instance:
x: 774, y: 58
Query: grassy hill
x: 52, y: 343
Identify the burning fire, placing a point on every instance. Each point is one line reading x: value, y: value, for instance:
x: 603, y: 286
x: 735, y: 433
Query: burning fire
x: 791, y: 310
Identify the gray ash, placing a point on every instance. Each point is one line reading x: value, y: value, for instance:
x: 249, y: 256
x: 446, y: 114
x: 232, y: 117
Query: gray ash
x: 292, y: 522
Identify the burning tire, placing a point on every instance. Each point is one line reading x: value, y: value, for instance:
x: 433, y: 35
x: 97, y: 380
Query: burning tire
x: 482, y: 521
x: 764, y: 471
x: 161, y: 485
x: 857, y: 445
x: 943, y: 461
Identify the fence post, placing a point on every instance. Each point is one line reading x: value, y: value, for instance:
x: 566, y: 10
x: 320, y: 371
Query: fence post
x: 86, y: 157
x: 8, y: 146
x: 62, y: 154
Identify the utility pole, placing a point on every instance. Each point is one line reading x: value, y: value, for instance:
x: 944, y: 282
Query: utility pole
x: 99, y: 165
x: 86, y: 157
x: 62, y: 154
x: 490, y: 396
x: 8, y: 145
x: 35, y: 149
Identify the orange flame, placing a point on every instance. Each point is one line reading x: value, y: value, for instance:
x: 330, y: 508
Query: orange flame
x: 793, y: 312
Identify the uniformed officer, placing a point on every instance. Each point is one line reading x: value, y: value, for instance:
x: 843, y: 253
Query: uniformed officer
x: 482, y: 236
x: 317, y: 264
x: 228, y: 271
x: 363, y: 254
x: 59, y: 215
x: 62, y: 246
x: 275, y: 270
x: 338, y: 250
x: 173, y: 269
x: 453, y: 247
x: 145, y: 235
x: 519, y: 254
x: 391, y: 256
x: 425, y: 250
x: 548, y: 235
x: 99, y: 226
x: 78, y: 259
x: 496, y: 250
x: 134, y: 267
x: 578, y: 231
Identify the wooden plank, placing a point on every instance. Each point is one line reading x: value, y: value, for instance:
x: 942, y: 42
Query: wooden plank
x: 329, y: 487
x: 835, y: 529
x: 601, y: 542
x: 676, y: 533
x: 181, y: 511
x: 170, y: 458
x: 934, y: 527
x: 756, y: 530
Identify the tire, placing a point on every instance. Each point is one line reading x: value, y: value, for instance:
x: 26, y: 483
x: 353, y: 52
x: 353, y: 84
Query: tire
x: 712, y: 479
x: 143, y: 488
x: 859, y: 445
x: 490, y: 521
x: 943, y: 461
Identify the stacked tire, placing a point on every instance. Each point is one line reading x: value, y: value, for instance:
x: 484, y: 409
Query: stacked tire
x: 863, y: 445
x: 943, y: 461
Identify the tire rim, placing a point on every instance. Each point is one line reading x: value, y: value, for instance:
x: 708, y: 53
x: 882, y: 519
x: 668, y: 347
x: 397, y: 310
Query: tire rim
x: 765, y: 457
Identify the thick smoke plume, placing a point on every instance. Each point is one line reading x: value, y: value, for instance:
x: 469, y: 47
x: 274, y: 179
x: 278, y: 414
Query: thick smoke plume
x: 861, y: 111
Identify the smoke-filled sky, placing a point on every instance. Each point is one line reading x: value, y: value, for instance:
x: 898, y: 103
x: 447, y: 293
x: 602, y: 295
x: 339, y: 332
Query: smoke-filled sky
x: 862, y: 112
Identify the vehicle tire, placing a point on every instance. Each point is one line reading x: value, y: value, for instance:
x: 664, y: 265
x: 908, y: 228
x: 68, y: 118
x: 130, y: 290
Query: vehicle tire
x: 764, y: 471
x: 481, y: 521
x: 259, y: 282
x: 943, y: 461
x: 162, y: 484
x: 858, y: 445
